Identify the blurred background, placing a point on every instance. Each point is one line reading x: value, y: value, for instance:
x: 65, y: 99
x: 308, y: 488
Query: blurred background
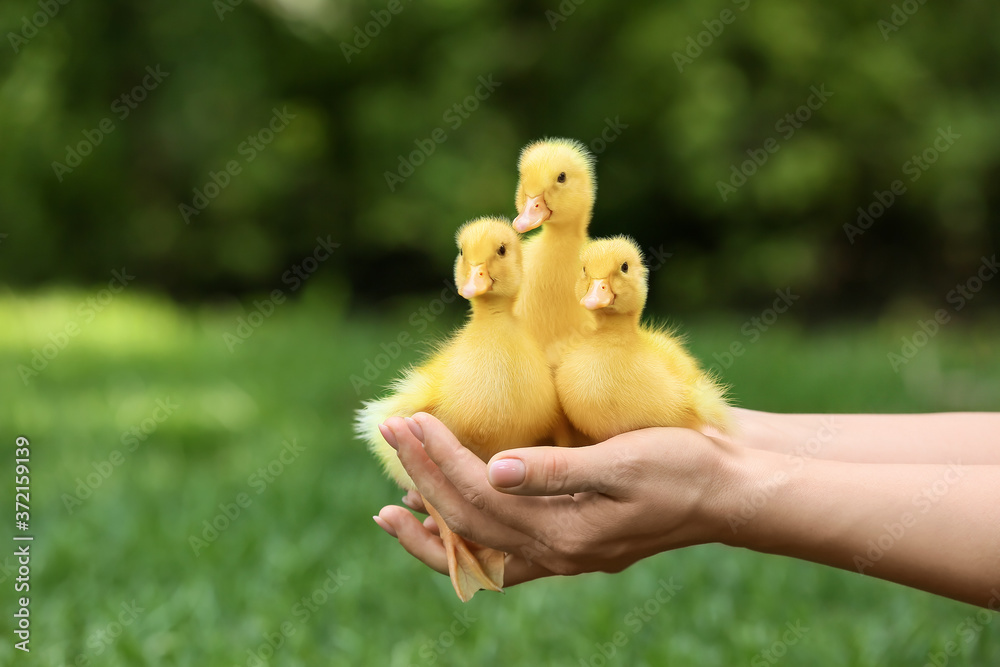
x: 217, y: 219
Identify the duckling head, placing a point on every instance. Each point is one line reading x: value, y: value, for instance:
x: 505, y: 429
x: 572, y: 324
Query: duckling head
x: 613, y: 279
x: 489, y: 259
x: 556, y: 184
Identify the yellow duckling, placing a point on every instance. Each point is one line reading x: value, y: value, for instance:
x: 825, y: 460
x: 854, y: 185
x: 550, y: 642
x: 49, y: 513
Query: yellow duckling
x: 624, y: 376
x: 490, y: 384
x: 555, y: 190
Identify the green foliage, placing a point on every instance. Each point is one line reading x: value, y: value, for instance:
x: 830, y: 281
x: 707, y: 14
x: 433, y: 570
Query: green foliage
x: 308, y: 530
x: 562, y: 69
x: 296, y: 130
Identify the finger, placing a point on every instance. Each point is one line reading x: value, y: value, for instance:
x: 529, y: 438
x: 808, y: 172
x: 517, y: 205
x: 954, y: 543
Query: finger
x: 465, y: 470
x: 517, y: 571
x: 422, y: 470
x: 528, y: 516
x: 551, y: 471
x: 415, y: 538
x: 413, y: 500
x: 431, y: 525
x: 426, y: 546
x: 455, y: 460
x: 461, y: 515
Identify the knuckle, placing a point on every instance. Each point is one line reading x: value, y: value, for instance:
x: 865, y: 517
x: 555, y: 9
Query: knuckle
x: 476, y: 498
x: 473, y: 494
x: 572, y: 546
x: 555, y: 469
x: 628, y: 465
x: 458, y: 525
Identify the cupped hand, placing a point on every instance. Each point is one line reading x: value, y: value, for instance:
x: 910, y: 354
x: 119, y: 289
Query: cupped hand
x: 561, y: 511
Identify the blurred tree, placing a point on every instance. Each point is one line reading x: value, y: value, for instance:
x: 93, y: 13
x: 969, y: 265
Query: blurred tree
x: 756, y: 143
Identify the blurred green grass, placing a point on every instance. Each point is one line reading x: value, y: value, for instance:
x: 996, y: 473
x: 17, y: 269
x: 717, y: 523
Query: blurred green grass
x: 130, y: 540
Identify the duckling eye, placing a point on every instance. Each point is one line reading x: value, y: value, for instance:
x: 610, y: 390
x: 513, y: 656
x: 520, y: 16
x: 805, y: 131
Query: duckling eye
x: 624, y: 267
x: 502, y: 251
x: 562, y: 177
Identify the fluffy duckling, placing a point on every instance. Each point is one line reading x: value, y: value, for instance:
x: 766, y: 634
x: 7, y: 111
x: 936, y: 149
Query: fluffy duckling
x: 624, y: 376
x: 555, y: 190
x: 490, y: 384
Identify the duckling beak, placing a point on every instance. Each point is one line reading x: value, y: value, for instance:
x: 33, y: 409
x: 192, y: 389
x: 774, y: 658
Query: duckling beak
x: 534, y: 213
x: 599, y: 296
x: 479, y: 282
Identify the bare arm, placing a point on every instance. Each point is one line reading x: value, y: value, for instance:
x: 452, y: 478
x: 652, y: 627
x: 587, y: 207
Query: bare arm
x: 973, y: 438
x: 935, y: 527
x: 931, y: 526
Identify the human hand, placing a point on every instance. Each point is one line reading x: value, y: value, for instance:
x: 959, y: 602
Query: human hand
x: 634, y: 495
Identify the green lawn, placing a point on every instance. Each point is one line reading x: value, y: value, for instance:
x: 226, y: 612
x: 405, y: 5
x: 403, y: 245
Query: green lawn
x: 116, y: 577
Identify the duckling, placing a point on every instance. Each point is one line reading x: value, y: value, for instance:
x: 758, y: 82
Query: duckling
x: 556, y: 189
x: 490, y: 384
x: 624, y: 376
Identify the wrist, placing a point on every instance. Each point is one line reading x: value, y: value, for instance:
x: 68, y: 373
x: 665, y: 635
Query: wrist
x: 749, y: 480
x: 768, y: 431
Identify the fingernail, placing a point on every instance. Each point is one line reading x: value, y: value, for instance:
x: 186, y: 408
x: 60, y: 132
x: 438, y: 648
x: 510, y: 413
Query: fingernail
x: 409, y: 503
x: 506, y: 473
x: 389, y: 436
x: 415, y: 429
x: 384, y: 525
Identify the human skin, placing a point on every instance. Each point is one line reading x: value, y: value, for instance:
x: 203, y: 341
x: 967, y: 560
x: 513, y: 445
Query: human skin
x: 913, y: 499
x: 969, y: 437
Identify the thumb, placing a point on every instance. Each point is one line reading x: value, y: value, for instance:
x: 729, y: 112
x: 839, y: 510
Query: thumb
x: 551, y: 471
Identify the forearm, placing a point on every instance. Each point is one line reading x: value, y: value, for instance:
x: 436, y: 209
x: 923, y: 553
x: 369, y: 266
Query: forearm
x: 934, y: 527
x: 971, y: 438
